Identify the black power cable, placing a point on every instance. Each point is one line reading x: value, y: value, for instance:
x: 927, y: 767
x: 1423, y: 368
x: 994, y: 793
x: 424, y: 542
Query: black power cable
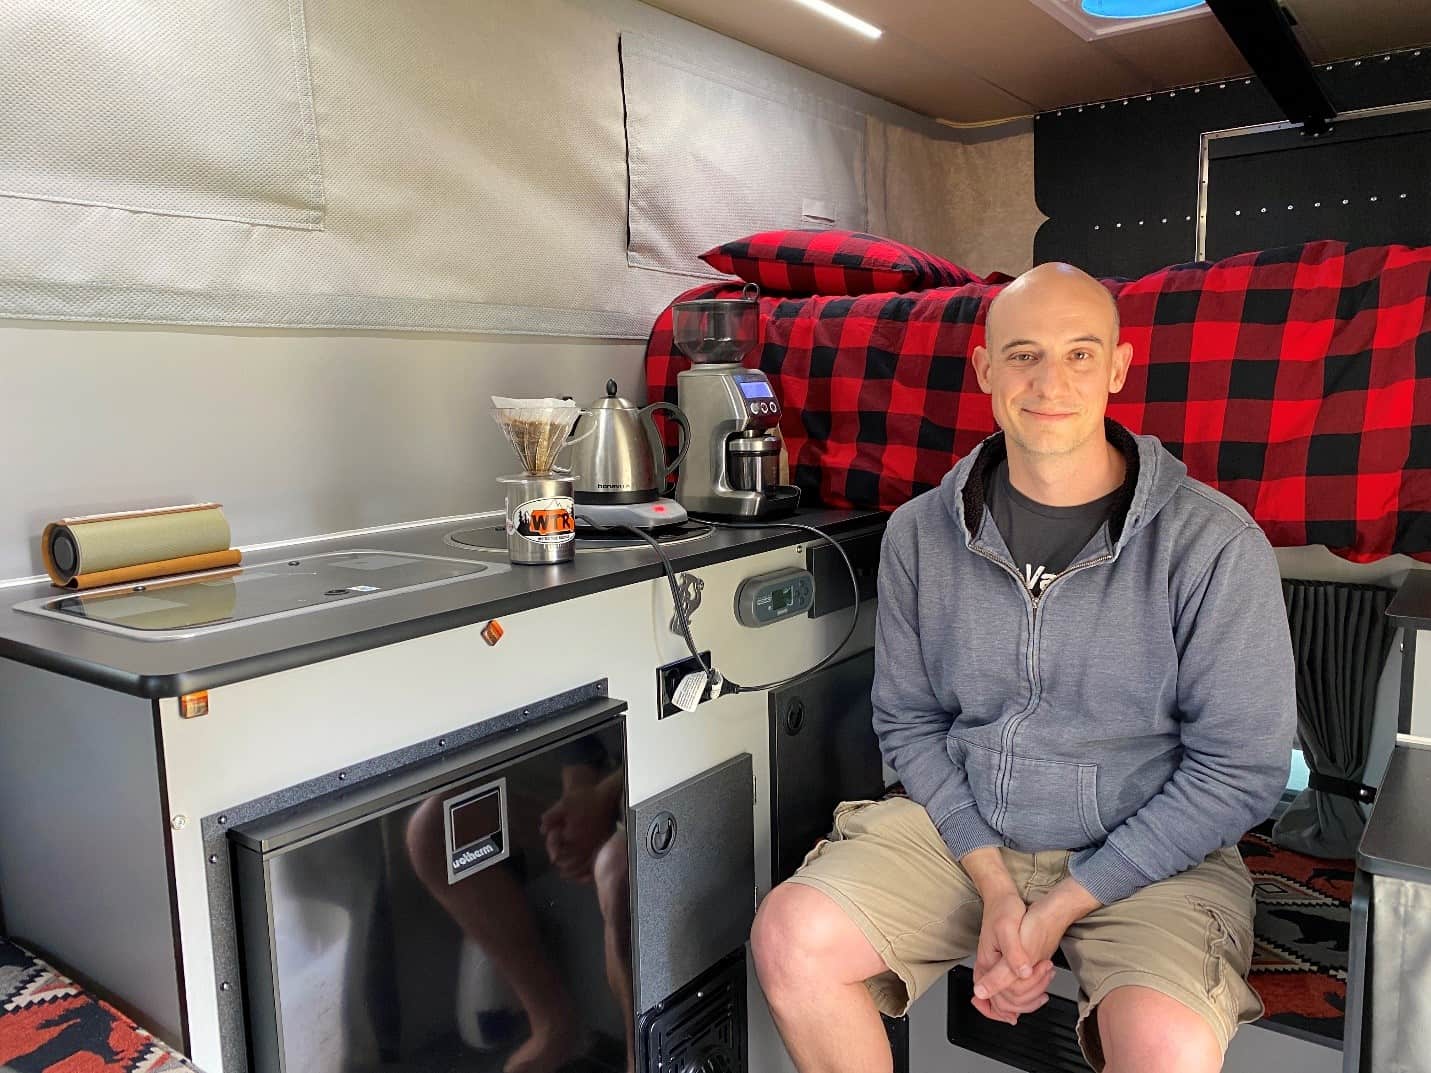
x: 854, y: 595
x: 726, y: 685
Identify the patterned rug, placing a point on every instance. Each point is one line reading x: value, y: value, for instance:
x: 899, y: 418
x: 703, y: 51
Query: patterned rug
x: 49, y: 1025
x: 1299, y: 965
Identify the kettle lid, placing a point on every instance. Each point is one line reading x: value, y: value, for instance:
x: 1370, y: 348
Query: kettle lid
x: 612, y: 401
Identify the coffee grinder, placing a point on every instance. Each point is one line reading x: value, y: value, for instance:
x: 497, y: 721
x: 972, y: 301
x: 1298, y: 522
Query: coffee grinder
x: 732, y: 469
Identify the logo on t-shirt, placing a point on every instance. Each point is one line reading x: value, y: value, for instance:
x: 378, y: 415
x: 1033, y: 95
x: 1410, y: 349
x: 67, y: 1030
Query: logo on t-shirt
x: 1036, y: 578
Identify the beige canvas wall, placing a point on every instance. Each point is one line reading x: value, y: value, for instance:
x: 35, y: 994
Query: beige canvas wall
x: 427, y: 165
x: 305, y: 431
x: 968, y: 196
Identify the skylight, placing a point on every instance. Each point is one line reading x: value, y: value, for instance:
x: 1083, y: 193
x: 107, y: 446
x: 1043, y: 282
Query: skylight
x: 1094, y: 20
x: 1136, y: 9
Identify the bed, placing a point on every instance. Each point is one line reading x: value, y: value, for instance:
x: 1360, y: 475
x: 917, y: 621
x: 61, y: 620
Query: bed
x: 1295, y: 380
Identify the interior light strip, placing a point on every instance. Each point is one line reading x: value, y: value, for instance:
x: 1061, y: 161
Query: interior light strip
x: 844, y: 18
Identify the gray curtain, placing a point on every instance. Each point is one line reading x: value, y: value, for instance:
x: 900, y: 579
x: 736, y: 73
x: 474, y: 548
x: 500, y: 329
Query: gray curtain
x: 1341, y: 637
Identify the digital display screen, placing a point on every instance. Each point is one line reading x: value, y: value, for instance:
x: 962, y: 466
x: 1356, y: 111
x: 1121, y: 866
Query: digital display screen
x: 477, y: 819
x: 756, y: 389
x: 780, y: 599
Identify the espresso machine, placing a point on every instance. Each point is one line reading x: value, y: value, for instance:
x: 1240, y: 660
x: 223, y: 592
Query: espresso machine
x: 732, y: 469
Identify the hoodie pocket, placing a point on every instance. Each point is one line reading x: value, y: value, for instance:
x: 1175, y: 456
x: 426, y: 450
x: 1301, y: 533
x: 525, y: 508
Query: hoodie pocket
x: 1036, y: 804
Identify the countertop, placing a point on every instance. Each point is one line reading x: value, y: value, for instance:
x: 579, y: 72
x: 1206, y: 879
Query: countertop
x: 1397, y: 841
x: 170, y: 668
x: 1410, y: 608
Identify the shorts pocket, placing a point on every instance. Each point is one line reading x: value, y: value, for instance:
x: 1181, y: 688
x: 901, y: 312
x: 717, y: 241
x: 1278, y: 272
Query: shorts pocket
x: 845, y: 811
x: 1229, y: 948
x: 840, y: 830
x: 1046, y: 804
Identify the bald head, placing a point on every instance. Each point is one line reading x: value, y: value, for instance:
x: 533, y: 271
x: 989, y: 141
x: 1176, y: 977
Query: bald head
x: 1050, y: 359
x: 1053, y: 281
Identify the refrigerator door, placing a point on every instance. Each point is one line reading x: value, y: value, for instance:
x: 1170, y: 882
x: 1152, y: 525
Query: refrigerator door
x: 449, y: 926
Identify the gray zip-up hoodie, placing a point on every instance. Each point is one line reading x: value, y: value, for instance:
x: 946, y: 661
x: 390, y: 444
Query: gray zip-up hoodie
x: 1139, y: 712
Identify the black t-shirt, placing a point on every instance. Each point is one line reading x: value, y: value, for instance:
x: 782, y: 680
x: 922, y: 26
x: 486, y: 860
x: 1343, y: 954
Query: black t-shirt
x: 1043, y: 540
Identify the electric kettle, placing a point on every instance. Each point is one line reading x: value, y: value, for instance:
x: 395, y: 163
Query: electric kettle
x: 617, y: 453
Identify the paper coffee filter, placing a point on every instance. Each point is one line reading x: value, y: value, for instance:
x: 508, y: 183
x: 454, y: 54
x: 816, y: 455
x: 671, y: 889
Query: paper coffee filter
x: 503, y: 403
x: 537, y: 429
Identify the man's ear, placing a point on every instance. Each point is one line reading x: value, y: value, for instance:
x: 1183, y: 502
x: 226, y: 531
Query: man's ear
x: 1122, y: 358
x: 981, y: 369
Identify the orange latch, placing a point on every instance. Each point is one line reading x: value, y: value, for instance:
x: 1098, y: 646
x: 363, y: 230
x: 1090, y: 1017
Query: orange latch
x: 193, y: 705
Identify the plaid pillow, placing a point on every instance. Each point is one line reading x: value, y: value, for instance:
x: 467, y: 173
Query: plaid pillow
x: 814, y: 261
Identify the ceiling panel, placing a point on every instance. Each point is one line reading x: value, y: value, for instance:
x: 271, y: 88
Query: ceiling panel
x: 1338, y: 29
x: 893, y: 67
x: 1178, y: 55
x: 1055, y: 66
x: 971, y: 61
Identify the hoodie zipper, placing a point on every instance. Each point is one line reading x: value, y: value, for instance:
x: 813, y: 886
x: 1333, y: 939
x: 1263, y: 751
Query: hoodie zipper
x: 1006, y: 737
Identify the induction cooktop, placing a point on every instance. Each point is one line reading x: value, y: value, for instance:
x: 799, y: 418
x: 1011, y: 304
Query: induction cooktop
x: 196, y: 604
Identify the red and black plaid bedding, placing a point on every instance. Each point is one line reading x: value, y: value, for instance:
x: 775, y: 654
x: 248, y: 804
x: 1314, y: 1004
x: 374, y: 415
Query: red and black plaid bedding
x: 818, y: 261
x: 1295, y: 380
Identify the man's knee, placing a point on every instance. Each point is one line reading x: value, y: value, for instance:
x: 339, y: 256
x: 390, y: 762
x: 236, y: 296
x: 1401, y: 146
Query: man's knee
x: 1145, y: 1031
x: 801, y: 935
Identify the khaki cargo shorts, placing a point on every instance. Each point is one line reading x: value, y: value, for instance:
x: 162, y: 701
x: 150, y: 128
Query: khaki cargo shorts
x: 1188, y: 937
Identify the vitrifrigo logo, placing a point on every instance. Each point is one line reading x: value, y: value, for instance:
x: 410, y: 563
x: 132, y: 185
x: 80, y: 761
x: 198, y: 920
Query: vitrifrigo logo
x: 472, y: 856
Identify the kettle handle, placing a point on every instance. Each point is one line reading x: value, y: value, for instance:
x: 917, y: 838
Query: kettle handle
x: 572, y: 436
x: 684, y: 443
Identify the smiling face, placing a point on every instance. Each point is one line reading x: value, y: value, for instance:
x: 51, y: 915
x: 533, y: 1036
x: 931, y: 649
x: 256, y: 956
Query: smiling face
x: 1051, y: 360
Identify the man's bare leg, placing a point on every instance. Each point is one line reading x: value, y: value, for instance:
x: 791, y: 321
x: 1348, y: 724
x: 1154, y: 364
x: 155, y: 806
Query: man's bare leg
x: 492, y: 910
x: 1145, y: 1031
x: 812, y: 961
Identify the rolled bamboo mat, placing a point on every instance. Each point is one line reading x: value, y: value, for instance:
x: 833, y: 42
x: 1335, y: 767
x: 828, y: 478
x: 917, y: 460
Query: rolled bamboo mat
x: 111, y: 549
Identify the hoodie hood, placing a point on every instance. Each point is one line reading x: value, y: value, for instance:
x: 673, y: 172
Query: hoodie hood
x: 1154, y: 475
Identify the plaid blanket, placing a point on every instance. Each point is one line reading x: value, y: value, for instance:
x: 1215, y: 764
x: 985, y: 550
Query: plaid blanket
x: 1296, y: 380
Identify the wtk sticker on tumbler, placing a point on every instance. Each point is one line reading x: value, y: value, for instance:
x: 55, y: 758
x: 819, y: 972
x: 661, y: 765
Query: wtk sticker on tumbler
x: 544, y: 521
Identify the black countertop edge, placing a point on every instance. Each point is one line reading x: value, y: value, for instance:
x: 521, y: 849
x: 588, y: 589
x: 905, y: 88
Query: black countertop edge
x: 1397, y: 840
x: 1410, y: 608
x: 159, y: 686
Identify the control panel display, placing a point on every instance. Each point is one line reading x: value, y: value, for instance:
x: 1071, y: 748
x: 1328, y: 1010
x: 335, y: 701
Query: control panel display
x: 772, y: 597
x: 756, y: 389
x: 476, y: 829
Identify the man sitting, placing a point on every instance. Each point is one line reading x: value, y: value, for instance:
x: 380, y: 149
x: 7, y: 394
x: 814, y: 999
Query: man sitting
x: 1084, y: 679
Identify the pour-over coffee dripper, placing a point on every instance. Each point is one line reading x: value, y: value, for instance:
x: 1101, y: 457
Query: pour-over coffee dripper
x: 538, y: 430
x: 541, y: 518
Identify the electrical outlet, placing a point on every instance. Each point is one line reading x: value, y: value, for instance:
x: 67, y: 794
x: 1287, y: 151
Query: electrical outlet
x: 669, y: 677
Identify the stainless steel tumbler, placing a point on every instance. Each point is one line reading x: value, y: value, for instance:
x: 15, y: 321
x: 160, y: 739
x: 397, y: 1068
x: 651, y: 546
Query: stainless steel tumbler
x: 541, y: 523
